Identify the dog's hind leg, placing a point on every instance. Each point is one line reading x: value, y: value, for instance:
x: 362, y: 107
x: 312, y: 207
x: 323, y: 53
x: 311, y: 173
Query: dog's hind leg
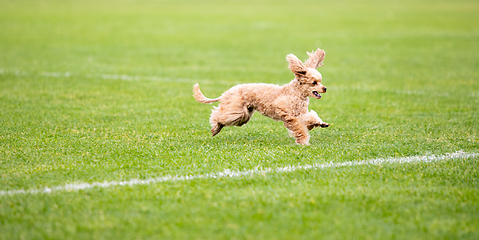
x: 216, y: 126
x: 227, y: 115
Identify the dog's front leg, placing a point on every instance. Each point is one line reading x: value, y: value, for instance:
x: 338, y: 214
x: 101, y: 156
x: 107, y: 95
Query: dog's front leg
x: 299, y: 131
x: 312, y: 120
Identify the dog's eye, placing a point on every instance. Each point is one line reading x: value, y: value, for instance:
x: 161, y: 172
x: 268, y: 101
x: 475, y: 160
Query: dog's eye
x: 315, y: 83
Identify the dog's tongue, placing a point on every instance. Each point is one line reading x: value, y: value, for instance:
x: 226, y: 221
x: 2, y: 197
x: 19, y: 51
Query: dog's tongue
x: 317, y: 95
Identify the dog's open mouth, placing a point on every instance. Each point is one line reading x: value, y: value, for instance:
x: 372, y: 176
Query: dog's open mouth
x: 316, y: 95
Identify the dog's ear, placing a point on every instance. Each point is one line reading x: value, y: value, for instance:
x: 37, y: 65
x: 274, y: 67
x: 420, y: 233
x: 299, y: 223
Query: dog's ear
x: 315, y: 59
x: 295, y: 65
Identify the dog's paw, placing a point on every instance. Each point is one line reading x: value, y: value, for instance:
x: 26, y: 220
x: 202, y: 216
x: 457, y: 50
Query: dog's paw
x: 216, y: 129
x: 304, y: 141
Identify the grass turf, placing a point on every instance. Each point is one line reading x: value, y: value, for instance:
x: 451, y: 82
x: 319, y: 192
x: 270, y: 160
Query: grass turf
x: 95, y: 91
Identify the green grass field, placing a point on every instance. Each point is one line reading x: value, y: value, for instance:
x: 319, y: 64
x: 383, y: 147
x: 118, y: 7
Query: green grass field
x: 101, y: 91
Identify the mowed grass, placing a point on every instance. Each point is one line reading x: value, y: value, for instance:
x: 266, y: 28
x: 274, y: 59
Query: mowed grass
x: 100, y: 91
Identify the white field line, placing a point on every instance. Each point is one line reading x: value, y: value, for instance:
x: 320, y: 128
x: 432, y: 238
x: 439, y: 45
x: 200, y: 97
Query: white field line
x: 396, y: 91
x: 233, y: 173
x: 122, y: 77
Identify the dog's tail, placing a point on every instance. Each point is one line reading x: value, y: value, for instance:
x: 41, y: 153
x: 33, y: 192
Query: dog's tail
x: 200, y: 97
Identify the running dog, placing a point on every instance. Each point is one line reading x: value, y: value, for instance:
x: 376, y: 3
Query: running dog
x: 288, y: 103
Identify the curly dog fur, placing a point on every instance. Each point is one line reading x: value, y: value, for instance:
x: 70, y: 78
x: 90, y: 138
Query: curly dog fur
x: 288, y: 103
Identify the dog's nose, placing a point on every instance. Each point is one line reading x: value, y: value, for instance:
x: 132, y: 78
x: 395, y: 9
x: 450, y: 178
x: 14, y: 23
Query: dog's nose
x: 324, y: 89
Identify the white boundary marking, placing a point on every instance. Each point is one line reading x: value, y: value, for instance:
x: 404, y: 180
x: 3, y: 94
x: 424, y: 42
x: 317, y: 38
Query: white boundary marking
x: 233, y: 173
x: 124, y: 77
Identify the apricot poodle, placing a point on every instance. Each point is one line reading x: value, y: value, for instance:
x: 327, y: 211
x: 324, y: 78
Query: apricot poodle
x: 288, y: 103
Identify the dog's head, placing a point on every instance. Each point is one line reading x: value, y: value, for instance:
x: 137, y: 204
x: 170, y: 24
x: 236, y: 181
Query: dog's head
x: 306, y: 74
